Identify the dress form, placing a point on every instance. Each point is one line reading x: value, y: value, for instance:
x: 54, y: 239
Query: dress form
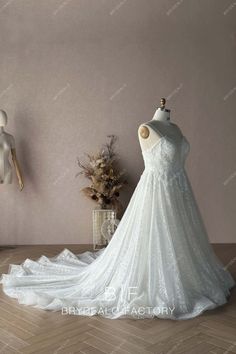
x: 160, y: 125
x: 7, y: 148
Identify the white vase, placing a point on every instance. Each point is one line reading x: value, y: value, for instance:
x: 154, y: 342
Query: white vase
x: 101, y: 216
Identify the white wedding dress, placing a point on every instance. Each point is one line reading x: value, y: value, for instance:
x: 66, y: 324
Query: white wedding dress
x: 158, y: 263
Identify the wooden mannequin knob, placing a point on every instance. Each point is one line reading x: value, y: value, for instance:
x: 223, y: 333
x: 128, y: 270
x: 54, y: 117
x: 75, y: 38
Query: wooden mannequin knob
x: 163, y: 103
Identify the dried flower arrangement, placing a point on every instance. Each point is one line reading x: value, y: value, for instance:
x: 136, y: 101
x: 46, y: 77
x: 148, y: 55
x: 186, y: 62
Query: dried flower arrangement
x: 106, y: 179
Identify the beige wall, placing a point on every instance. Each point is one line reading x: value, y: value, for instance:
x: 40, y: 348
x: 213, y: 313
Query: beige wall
x: 74, y: 71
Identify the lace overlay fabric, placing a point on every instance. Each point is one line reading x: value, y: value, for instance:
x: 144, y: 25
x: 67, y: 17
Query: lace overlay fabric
x: 159, y: 259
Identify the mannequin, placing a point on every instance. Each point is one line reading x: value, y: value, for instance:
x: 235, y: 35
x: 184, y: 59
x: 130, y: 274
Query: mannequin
x: 7, y: 146
x: 149, y: 133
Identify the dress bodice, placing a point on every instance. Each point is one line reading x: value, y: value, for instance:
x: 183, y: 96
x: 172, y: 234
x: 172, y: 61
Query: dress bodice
x: 167, y: 156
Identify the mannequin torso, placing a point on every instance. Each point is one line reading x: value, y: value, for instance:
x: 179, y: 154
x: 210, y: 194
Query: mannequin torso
x: 6, y: 145
x: 149, y: 133
x: 7, y: 149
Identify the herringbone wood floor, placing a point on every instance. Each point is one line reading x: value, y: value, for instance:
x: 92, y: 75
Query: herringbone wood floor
x: 25, y: 329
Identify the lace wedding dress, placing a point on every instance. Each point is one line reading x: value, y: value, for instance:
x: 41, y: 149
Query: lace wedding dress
x: 158, y: 263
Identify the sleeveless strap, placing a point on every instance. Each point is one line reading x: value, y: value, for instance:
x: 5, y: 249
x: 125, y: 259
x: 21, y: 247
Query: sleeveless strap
x: 154, y: 127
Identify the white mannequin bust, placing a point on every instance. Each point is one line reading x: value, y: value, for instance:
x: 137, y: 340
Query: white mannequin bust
x: 7, y: 148
x: 159, y: 126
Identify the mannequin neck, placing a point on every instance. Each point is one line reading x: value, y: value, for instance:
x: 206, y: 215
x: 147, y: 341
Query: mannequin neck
x: 1, y: 130
x: 162, y: 115
x: 162, y: 119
